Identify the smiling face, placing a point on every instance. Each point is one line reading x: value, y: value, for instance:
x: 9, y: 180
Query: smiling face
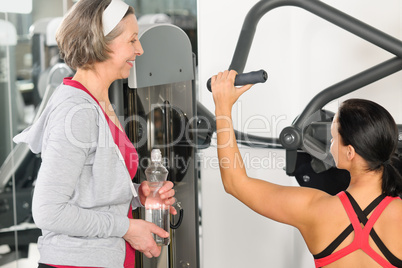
x: 125, y: 48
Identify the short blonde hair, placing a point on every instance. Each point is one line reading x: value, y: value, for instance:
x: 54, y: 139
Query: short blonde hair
x: 80, y: 36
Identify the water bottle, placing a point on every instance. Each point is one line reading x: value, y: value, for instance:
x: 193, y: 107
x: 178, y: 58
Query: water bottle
x: 156, y: 211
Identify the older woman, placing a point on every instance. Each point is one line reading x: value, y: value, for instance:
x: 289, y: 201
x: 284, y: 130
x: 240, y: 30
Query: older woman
x: 364, y: 142
x: 84, y: 195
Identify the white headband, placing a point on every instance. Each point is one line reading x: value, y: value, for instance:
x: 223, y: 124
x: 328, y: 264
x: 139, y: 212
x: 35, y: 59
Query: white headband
x: 112, y: 15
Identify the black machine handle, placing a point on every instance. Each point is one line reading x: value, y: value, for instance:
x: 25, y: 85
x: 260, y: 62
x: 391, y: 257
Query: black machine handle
x: 174, y: 226
x: 246, y: 78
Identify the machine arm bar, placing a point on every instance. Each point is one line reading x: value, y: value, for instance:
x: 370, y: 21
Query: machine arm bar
x: 246, y: 139
x: 318, y: 8
x: 255, y: 141
x: 346, y: 86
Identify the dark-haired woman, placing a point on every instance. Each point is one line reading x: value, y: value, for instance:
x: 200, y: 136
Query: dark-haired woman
x: 84, y: 194
x: 360, y: 227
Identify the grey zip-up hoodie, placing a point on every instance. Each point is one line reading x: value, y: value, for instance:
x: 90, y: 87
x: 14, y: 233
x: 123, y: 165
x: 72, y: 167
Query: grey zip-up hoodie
x: 83, y: 190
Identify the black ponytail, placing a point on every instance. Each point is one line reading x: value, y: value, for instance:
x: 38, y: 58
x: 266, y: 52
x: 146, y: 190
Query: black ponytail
x: 391, y: 177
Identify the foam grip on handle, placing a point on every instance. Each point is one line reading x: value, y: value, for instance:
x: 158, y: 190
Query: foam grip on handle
x: 246, y: 78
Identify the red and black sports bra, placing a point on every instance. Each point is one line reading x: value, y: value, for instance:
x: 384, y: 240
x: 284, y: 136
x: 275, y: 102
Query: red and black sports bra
x: 361, y: 239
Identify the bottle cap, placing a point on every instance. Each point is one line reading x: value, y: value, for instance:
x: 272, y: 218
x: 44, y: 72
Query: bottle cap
x: 156, y: 155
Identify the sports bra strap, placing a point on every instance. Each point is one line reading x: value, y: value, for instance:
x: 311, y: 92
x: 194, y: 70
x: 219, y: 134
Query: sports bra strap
x: 335, y: 244
x: 357, y: 216
x: 350, y: 211
x: 377, y: 212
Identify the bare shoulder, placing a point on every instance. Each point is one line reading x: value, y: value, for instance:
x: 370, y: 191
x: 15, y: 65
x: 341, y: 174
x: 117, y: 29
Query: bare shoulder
x: 394, y: 210
x: 328, y: 203
x: 388, y: 227
x: 390, y: 220
x: 327, y: 222
x: 324, y: 207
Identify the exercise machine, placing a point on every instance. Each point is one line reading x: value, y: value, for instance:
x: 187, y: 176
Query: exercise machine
x: 307, y: 139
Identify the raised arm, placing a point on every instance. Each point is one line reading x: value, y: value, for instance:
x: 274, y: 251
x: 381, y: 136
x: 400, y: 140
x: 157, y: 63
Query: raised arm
x: 291, y: 205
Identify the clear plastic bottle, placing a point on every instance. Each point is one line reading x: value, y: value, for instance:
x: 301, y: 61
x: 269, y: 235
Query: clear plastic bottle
x: 156, y: 211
